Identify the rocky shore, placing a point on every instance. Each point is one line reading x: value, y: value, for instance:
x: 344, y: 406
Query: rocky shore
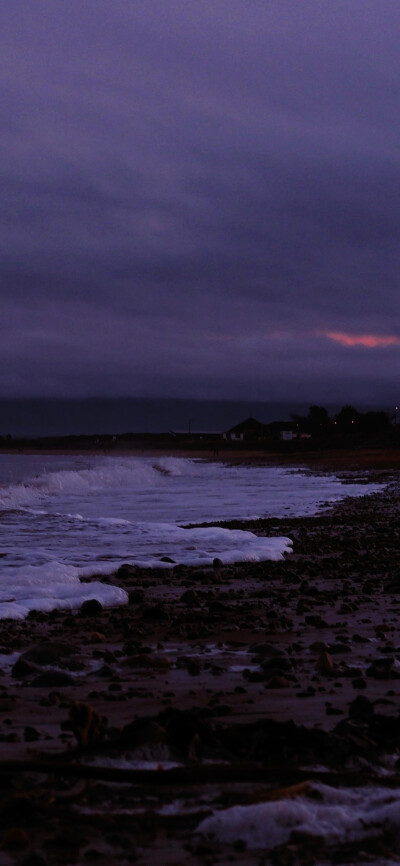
x: 124, y: 731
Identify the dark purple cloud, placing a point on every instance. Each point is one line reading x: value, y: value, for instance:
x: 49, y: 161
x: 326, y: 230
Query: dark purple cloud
x: 195, y: 194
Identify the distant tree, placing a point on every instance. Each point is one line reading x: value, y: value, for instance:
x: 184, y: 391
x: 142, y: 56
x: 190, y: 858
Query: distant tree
x: 317, y: 422
x: 318, y: 418
x: 375, y: 422
x: 347, y: 419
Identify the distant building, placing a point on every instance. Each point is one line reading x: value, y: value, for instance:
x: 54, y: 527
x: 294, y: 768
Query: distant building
x: 252, y: 430
x: 249, y: 430
x: 287, y: 435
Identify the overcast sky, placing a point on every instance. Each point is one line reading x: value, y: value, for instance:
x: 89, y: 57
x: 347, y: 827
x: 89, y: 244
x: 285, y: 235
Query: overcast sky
x: 200, y: 199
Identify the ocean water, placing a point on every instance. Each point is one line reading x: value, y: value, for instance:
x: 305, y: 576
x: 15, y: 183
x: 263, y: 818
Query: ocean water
x: 67, y: 518
x: 60, y: 417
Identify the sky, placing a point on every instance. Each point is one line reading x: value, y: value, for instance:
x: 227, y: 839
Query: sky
x: 200, y: 199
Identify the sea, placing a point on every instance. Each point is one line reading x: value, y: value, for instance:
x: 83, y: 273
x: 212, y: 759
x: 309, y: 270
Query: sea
x: 46, y: 416
x: 66, y: 522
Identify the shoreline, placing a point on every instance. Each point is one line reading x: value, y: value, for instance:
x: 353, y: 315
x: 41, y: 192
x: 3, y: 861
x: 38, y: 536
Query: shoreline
x: 276, y: 672
x: 387, y: 459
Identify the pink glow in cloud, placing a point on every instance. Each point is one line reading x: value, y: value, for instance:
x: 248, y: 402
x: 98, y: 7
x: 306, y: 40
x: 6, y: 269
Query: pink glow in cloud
x: 369, y: 341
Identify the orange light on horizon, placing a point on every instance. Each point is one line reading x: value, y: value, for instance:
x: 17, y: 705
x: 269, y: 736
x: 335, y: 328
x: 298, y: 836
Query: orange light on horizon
x: 369, y: 341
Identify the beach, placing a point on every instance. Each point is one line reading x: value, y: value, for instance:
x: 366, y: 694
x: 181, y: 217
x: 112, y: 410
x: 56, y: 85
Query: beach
x: 200, y: 433
x: 128, y: 734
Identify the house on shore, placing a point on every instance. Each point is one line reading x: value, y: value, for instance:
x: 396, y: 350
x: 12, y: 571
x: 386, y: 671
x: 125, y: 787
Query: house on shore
x: 252, y: 430
x: 285, y: 431
x: 249, y: 430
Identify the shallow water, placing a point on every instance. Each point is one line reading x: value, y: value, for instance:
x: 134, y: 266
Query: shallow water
x: 62, y: 518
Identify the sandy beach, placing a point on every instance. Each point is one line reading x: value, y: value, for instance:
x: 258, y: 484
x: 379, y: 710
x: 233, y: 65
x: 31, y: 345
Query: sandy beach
x: 123, y: 730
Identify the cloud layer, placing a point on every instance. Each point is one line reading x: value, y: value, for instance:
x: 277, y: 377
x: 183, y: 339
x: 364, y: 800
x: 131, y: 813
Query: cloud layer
x: 200, y: 199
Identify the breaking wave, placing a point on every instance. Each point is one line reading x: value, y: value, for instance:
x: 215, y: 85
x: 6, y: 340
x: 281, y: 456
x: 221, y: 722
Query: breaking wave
x: 123, y: 474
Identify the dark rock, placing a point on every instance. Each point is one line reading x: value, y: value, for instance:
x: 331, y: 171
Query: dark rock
x: 360, y: 683
x: 15, y: 839
x: 127, y: 570
x: 31, y: 735
x: 382, y: 669
x: 217, y: 607
x: 281, y: 663
x: 268, y: 650
x: 307, y: 840
x: 136, y: 596
x: 325, y: 664
x: 222, y: 710
x: 339, y: 648
x: 319, y: 646
x: 254, y: 676
x: 346, y: 608
x: 187, y: 731
x: 22, y: 669
x: 131, y: 647
x: 201, y: 576
x: 142, y: 731
x: 316, y: 620
x: 148, y: 660
x: 34, y: 858
x: 190, y: 597
x: 385, y: 730
x: 104, y: 671
x: 333, y: 711
x: 53, y: 679
x: 49, y: 652
x: 393, y: 585
x: 154, y: 613
x: 118, y: 840
x: 349, y: 672
x: 91, y: 607
x: 361, y: 708
x: 284, y: 741
x: 86, y: 723
x: 191, y: 665
x: 67, y: 840
x: 277, y: 682
x: 18, y: 809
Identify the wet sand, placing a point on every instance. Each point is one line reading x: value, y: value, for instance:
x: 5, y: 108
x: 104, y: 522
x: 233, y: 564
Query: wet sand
x: 120, y: 729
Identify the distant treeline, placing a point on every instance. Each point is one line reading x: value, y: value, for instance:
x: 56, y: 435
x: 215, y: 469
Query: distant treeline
x: 349, y: 420
x: 316, y: 430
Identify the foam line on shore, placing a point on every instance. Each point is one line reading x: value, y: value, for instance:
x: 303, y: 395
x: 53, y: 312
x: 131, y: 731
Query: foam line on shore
x: 335, y: 815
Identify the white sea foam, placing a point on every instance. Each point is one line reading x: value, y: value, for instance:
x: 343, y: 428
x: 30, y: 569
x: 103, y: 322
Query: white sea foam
x: 342, y: 814
x: 51, y: 586
x: 92, y: 514
x: 107, y: 475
